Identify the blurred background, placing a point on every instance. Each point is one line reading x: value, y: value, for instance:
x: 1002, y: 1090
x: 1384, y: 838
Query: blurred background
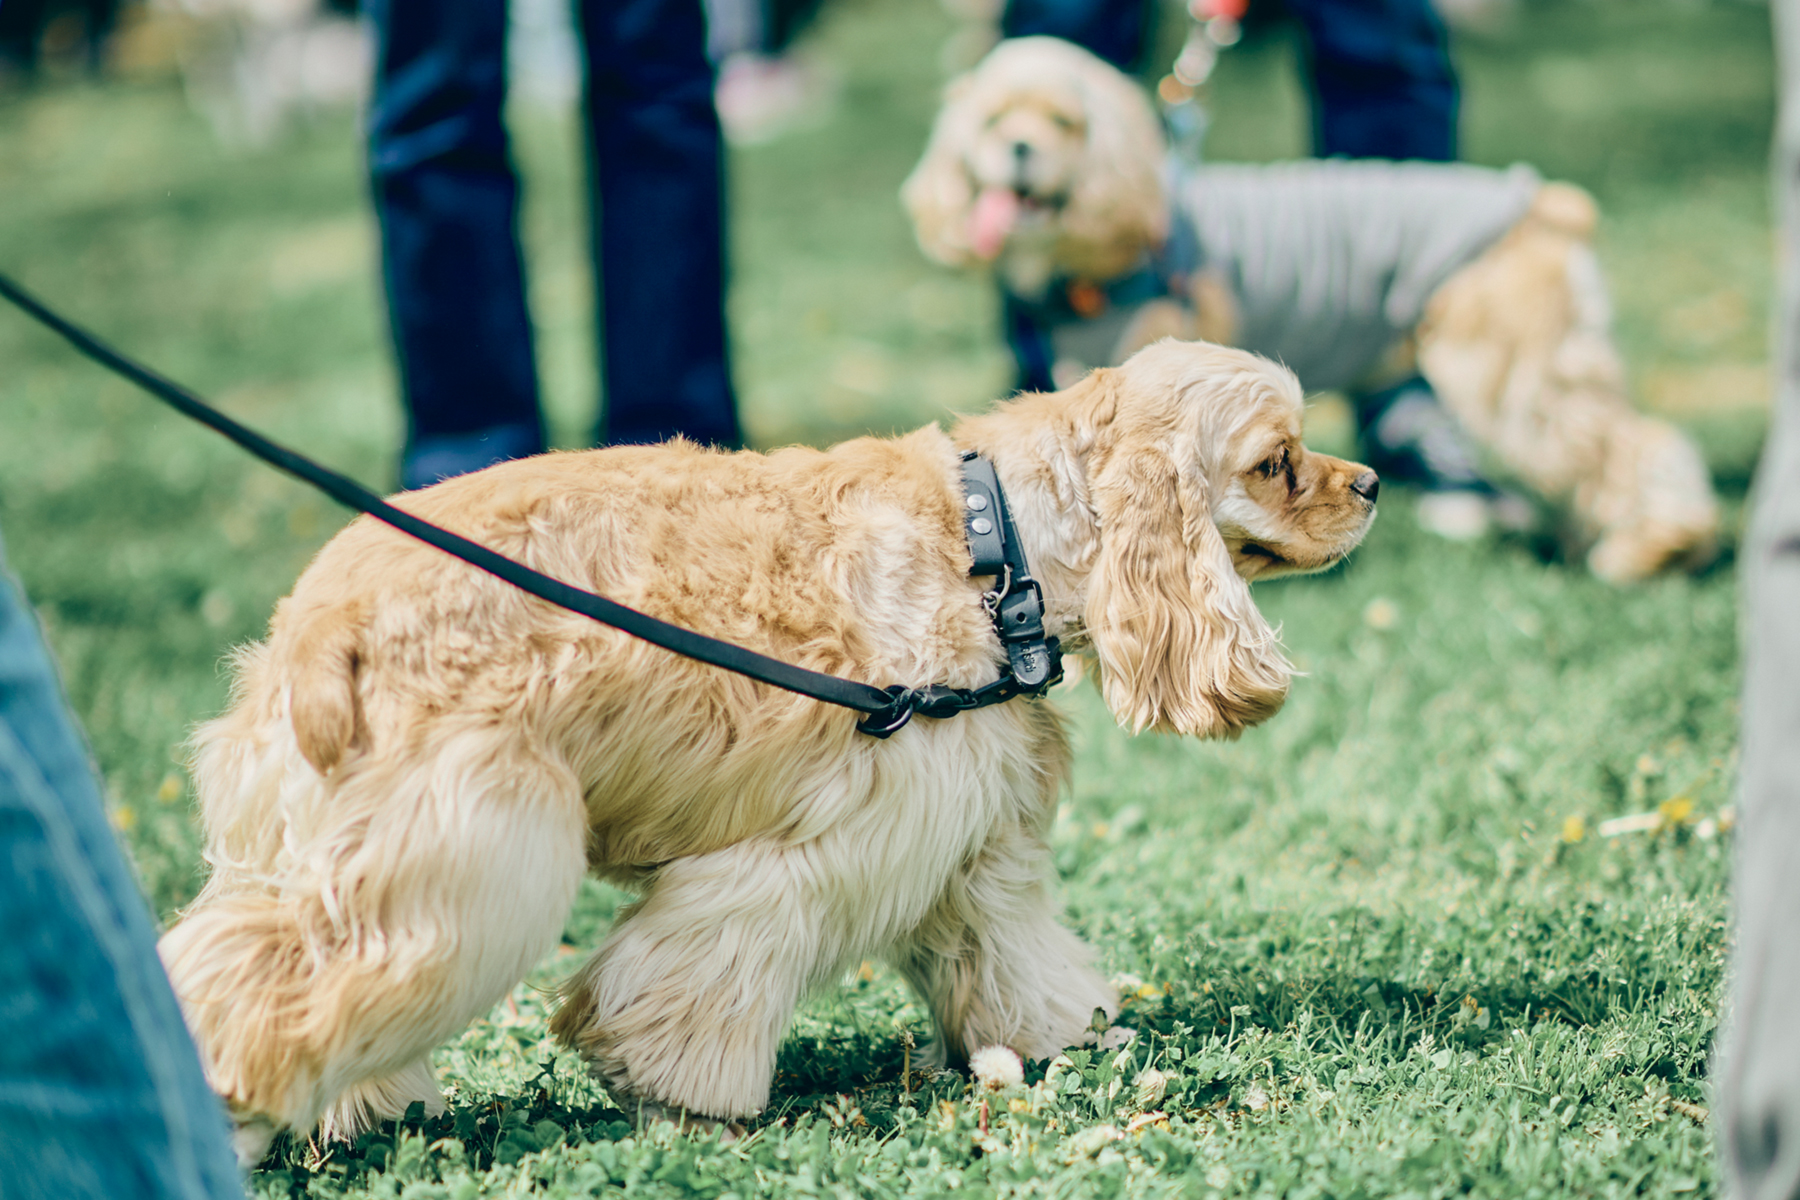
x: 193, y: 168
x: 187, y: 177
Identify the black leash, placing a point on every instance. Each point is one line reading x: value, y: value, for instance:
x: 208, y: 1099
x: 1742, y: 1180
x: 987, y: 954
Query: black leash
x: 1017, y: 599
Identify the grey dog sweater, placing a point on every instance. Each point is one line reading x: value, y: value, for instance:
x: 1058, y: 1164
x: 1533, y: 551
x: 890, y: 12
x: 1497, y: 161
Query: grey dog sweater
x: 1332, y: 261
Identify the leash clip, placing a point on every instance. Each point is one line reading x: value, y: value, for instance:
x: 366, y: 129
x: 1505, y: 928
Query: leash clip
x: 990, y: 599
x: 934, y: 700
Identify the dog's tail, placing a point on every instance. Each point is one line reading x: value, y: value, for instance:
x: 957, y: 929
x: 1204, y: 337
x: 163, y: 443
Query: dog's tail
x: 324, y: 653
x: 1566, y: 209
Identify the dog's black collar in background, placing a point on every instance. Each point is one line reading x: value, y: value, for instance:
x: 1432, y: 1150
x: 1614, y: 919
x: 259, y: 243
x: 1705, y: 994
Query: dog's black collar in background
x: 888, y: 709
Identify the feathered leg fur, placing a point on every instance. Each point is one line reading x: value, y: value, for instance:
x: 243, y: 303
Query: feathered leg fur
x: 993, y: 963
x: 687, y: 1000
x: 402, y: 899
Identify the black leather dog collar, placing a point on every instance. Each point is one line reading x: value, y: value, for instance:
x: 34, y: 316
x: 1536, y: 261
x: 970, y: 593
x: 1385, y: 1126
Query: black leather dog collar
x: 1015, y: 604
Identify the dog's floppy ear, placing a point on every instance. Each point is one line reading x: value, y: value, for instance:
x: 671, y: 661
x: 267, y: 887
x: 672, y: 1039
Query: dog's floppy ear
x: 939, y: 195
x: 1118, y: 208
x: 1180, y: 644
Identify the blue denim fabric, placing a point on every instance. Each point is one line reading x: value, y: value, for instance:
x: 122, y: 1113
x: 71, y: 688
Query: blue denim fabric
x: 101, y: 1093
x: 1116, y: 30
x: 1382, y: 86
x: 1382, y: 83
x: 446, y: 196
x: 656, y: 209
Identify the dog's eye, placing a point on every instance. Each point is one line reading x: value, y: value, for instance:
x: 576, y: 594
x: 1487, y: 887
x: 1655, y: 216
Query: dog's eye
x: 1275, y: 464
x: 1063, y: 122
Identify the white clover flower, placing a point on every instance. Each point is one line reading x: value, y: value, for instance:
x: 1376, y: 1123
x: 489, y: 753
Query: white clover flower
x: 996, y: 1067
x: 1117, y: 1038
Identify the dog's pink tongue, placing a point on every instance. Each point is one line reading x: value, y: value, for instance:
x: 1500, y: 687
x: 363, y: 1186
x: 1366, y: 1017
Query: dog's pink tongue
x: 995, y: 211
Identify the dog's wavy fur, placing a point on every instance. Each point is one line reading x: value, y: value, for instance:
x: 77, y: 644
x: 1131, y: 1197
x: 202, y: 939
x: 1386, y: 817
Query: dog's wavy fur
x: 1518, y: 344
x: 420, y: 761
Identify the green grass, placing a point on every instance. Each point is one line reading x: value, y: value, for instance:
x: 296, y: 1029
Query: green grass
x: 1379, y: 959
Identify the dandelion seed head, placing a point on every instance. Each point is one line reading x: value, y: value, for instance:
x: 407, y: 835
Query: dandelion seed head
x: 996, y: 1067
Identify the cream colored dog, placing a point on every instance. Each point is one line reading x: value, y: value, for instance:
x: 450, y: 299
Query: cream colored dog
x: 1050, y: 166
x: 421, y: 761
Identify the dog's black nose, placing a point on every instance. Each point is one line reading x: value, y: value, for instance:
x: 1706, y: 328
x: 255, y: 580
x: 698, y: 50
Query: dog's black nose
x: 1366, y: 485
x: 1021, y: 150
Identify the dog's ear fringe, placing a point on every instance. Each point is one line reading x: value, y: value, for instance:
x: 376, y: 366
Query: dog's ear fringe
x: 938, y: 195
x: 1118, y: 207
x: 1180, y: 644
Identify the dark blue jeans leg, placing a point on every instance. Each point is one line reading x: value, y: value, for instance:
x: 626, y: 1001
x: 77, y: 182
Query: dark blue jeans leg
x: 1383, y: 86
x: 447, y: 199
x: 1113, y: 29
x: 101, y: 1093
x: 1029, y: 341
x: 656, y: 162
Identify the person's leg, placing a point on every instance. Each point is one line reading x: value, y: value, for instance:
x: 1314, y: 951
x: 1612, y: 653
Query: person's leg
x: 102, y: 18
x: 21, y: 26
x: 1382, y: 86
x: 447, y: 200
x: 1409, y: 437
x: 1758, y: 1074
x: 1382, y: 83
x: 657, y: 185
x: 1030, y: 344
x: 1113, y: 29
x: 101, y: 1093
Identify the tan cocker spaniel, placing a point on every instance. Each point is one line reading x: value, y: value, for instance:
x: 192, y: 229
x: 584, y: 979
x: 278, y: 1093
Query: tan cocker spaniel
x: 420, y: 761
x: 1050, y: 166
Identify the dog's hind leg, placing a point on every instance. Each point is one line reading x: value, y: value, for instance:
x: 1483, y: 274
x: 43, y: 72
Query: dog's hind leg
x: 1654, y: 504
x: 995, y: 965
x: 685, y: 1004
x: 1519, y: 346
x: 411, y: 897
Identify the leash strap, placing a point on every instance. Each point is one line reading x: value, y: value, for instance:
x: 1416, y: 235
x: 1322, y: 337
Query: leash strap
x: 887, y: 709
